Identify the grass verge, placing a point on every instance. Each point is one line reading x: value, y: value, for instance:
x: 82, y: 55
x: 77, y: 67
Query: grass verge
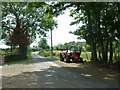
x: 46, y: 53
x: 29, y: 57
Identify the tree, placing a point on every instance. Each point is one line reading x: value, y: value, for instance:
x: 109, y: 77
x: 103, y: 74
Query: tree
x: 59, y: 47
x: 100, y: 25
x: 27, y: 18
x: 42, y: 44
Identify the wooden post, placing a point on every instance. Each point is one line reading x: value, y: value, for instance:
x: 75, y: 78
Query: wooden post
x: 51, y: 45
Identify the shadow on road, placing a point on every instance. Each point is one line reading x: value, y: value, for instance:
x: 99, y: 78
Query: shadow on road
x: 97, y: 73
x: 57, y: 77
x: 42, y: 73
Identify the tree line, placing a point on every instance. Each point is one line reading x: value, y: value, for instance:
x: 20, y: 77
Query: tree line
x: 100, y: 27
x: 21, y: 21
x: 84, y: 45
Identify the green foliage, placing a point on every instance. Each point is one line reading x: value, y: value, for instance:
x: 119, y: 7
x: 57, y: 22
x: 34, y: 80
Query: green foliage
x: 22, y: 21
x: 29, y: 52
x: 86, y: 56
x: 100, y: 27
x: 84, y: 45
x: 7, y: 52
x: 42, y: 44
x: 35, y: 48
x: 44, y: 53
x: 32, y: 17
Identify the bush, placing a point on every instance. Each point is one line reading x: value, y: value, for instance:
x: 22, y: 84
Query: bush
x: 44, y: 53
x: 15, y: 57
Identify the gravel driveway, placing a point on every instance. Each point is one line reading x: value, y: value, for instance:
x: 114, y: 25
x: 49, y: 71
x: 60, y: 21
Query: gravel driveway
x: 41, y: 72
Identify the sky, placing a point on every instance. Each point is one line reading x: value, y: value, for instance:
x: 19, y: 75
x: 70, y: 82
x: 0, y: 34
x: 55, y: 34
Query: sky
x: 61, y: 33
x: 2, y: 44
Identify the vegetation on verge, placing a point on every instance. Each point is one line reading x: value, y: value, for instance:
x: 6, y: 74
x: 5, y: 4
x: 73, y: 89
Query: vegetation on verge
x: 100, y: 27
x: 47, y: 53
x: 56, y: 54
x: 21, y: 21
x: 7, y: 52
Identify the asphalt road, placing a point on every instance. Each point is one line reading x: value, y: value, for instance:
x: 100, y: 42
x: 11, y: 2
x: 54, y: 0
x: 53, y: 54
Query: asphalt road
x: 44, y: 73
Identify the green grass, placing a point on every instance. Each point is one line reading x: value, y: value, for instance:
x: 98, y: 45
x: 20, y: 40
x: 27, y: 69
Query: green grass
x: 29, y: 54
x: 6, y: 53
x: 47, y: 53
x: 18, y: 61
x: 85, y: 55
x: 44, y: 53
x: 3, y: 53
x: 56, y: 54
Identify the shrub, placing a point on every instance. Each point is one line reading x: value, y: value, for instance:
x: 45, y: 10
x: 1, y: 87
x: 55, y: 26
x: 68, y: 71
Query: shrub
x: 15, y: 57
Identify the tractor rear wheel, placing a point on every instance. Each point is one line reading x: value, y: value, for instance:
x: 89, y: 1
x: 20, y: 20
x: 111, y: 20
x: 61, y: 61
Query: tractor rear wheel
x: 67, y: 59
x: 61, y: 57
x: 73, y: 60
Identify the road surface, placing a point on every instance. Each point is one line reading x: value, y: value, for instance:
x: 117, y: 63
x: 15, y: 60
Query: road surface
x: 42, y: 72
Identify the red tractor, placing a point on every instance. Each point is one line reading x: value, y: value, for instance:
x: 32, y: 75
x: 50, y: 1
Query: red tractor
x: 71, y: 54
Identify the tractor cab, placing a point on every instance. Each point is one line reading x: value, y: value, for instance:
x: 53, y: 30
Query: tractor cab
x: 76, y: 49
x: 72, y: 53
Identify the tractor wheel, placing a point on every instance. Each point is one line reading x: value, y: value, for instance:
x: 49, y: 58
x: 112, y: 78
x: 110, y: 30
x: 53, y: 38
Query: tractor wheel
x: 61, y: 57
x: 67, y: 59
x: 73, y: 60
x: 81, y: 60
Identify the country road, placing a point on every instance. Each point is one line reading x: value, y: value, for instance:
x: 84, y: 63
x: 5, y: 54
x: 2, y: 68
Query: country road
x: 41, y: 72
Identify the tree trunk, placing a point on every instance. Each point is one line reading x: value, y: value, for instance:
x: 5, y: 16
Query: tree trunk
x: 23, y: 50
x: 111, y: 51
x: 93, y: 44
x: 102, y: 48
x: 99, y: 55
x: 11, y: 49
x: 94, y: 53
x: 101, y: 39
x: 106, y: 51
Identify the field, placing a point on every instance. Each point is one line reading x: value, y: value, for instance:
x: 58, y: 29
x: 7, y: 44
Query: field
x: 46, y: 53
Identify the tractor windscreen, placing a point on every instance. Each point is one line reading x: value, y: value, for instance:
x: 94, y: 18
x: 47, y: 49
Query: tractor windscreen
x: 76, y: 49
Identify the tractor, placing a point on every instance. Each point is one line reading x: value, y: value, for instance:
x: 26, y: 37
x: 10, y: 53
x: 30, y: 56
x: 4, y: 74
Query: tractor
x: 71, y: 54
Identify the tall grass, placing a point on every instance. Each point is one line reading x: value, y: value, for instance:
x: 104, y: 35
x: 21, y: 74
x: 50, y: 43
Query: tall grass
x: 86, y: 56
